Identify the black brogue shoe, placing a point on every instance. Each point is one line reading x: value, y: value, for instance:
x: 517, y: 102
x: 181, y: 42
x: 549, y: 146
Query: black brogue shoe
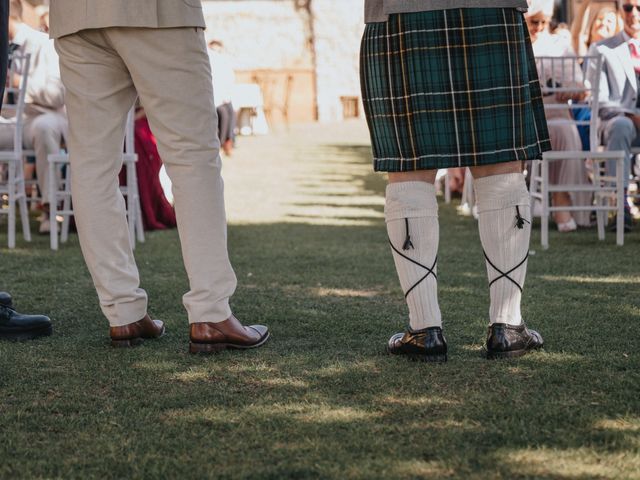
x: 509, y: 341
x: 426, y: 345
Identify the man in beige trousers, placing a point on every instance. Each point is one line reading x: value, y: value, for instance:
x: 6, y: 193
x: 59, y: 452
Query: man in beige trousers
x: 110, y: 53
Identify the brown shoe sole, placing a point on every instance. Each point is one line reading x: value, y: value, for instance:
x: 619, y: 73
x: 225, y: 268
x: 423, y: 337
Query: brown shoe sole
x: 132, y: 342
x: 209, y: 348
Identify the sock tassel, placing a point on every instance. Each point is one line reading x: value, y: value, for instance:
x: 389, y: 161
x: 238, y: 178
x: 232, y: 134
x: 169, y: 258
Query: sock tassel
x: 407, y: 241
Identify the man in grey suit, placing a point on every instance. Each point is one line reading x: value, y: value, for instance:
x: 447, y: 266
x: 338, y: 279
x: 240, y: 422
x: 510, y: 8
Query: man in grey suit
x: 110, y: 53
x: 618, y: 95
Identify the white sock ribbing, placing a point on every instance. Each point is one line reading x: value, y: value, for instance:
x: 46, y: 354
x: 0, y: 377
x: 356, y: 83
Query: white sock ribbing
x: 411, y: 213
x: 501, y: 199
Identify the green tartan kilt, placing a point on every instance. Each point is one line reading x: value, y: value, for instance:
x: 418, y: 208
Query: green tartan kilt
x: 451, y: 88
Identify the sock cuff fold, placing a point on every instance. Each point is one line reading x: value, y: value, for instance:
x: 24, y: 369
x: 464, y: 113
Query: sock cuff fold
x: 410, y: 200
x: 497, y: 192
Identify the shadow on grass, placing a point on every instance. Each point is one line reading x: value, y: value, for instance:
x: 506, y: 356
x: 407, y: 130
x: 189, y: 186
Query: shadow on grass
x: 322, y: 399
x: 339, y: 185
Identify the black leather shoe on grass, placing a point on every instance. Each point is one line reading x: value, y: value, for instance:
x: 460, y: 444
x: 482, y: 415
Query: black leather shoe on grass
x: 509, y: 341
x: 15, y: 326
x: 426, y: 345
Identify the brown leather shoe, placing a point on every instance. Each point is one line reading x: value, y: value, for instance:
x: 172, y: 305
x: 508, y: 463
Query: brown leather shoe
x: 135, y: 333
x: 212, y: 337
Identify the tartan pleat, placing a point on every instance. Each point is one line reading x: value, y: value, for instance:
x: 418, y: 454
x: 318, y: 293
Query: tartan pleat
x: 451, y: 88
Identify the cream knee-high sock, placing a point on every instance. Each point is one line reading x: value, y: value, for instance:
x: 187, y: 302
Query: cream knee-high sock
x: 504, y: 223
x: 411, y: 214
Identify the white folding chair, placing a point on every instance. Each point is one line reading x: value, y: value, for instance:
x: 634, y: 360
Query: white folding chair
x: 602, y: 187
x: 31, y: 184
x: 130, y: 190
x: 59, y: 197
x: 633, y: 193
x: 60, y: 200
x: 566, y: 75
x: 12, y: 190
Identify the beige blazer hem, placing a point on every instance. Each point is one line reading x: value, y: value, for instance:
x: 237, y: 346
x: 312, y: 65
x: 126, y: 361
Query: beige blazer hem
x: 71, y: 16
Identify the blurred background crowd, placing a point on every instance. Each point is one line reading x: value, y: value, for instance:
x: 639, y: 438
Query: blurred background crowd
x: 282, y: 62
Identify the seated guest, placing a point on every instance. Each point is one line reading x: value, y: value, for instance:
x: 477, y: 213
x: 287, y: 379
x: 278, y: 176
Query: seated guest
x: 456, y: 179
x: 45, y: 122
x: 157, y: 212
x: 223, y: 82
x: 594, y: 22
x: 564, y: 135
x: 619, y: 100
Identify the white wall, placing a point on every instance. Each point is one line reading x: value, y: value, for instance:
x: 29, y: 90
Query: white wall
x: 338, y: 31
x: 259, y: 33
x: 273, y: 34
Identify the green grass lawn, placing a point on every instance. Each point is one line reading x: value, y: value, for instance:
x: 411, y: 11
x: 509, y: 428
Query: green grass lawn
x: 322, y: 399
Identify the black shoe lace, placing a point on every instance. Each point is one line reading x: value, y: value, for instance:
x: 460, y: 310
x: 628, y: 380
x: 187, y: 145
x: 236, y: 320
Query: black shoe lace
x: 520, y: 221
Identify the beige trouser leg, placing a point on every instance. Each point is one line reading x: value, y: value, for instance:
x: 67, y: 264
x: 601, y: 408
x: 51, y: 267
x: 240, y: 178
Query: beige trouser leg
x: 44, y: 133
x: 169, y: 68
x: 99, y: 93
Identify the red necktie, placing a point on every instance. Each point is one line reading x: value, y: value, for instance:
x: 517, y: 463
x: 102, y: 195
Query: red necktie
x: 635, y: 56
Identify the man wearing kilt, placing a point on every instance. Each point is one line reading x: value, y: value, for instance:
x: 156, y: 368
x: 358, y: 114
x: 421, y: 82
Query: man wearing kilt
x: 453, y: 83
